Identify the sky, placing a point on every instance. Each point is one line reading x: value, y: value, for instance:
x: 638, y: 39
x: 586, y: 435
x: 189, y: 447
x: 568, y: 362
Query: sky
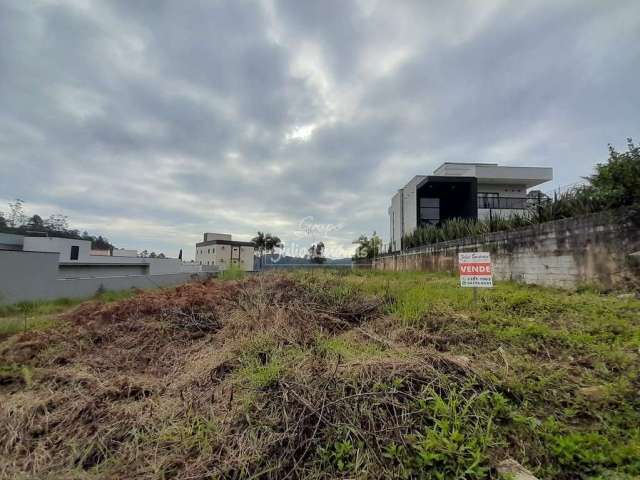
x: 153, y: 121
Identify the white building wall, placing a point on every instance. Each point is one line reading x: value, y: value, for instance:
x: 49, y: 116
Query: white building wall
x: 504, y: 190
x: 494, y: 173
x: 246, y: 258
x: 123, y: 252
x: 395, y: 221
x: 190, y: 267
x: 409, y: 205
x: 217, y: 236
x: 206, y: 255
x: 59, y: 245
x: 163, y: 266
x: 224, y: 255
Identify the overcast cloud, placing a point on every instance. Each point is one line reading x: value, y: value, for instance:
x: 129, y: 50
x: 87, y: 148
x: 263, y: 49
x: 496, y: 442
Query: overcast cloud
x: 151, y: 122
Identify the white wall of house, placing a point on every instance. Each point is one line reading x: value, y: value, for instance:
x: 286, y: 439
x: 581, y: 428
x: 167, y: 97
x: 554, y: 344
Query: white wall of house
x: 217, y: 236
x: 224, y: 255
x: 123, y: 252
x: 116, y: 252
x: 190, y: 267
x: 409, y: 205
x: 395, y: 221
x: 403, y: 212
x: 59, y: 245
x: 504, y: 190
x: 528, y: 176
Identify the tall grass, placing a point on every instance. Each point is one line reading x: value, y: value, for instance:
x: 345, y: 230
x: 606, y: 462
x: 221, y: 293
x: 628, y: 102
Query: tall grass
x: 234, y: 272
x: 41, y: 314
x: 572, y: 203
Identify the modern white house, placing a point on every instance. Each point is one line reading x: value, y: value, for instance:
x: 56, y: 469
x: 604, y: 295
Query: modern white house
x: 34, y: 268
x: 76, y: 259
x: 462, y: 190
x: 220, y: 251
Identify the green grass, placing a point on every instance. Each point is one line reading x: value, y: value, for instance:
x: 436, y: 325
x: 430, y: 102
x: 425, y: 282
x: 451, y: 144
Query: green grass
x: 263, y: 362
x: 539, y: 346
x: 351, y: 350
x: 42, y: 314
x: 234, y: 272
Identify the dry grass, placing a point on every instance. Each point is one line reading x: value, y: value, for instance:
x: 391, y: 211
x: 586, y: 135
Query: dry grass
x: 130, y: 386
x: 276, y: 376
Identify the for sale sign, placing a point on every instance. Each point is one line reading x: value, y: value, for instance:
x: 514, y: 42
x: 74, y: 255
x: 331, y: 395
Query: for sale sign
x: 475, y: 269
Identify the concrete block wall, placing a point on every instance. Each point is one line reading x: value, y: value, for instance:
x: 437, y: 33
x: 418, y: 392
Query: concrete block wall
x: 28, y: 276
x: 592, y: 249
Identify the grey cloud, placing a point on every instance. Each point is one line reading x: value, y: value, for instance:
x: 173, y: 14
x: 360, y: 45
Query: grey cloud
x: 153, y: 121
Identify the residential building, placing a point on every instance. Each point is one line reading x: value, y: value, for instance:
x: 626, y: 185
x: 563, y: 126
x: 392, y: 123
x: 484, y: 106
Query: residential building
x: 34, y: 268
x: 76, y: 259
x: 219, y: 250
x: 462, y: 190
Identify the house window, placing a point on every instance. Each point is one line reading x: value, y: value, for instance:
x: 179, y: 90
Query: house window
x: 430, y: 210
x: 488, y: 200
x: 213, y: 250
x: 75, y: 251
x: 208, y: 250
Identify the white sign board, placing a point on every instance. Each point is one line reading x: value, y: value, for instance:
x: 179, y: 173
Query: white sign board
x: 475, y: 269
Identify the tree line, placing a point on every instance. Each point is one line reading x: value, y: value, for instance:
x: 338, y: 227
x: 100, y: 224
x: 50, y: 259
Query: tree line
x: 269, y: 243
x: 16, y: 221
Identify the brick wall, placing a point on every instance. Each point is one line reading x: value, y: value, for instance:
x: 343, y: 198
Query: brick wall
x: 593, y: 249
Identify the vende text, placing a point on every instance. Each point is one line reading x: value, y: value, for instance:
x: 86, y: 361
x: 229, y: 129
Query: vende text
x: 475, y: 269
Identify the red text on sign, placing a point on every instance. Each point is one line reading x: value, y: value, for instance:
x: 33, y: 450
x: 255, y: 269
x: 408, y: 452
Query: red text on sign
x: 475, y: 269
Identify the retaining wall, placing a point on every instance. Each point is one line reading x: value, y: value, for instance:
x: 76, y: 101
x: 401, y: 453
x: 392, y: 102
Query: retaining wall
x: 26, y: 276
x: 593, y: 249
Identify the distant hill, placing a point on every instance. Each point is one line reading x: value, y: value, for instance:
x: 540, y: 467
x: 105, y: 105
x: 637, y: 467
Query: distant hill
x: 278, y: 260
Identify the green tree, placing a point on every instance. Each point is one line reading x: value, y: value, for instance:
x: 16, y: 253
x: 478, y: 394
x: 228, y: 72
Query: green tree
x: 316, y: 253
x: 271, y: 242
x: 57, y: 223
x: 617, y: 182
x: 17, y: 217
x: 36, y: 223
x: 259, y: 245
x: 265, y: 243
x: 367, y: 247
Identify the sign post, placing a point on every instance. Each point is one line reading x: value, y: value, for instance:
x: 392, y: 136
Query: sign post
x: 475, y: 271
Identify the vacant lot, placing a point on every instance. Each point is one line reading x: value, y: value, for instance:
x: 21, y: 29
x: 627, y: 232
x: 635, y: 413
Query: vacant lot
x: 324, y: 375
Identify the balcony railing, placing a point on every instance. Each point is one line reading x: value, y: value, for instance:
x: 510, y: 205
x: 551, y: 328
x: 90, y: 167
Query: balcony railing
x: 506, y: 203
